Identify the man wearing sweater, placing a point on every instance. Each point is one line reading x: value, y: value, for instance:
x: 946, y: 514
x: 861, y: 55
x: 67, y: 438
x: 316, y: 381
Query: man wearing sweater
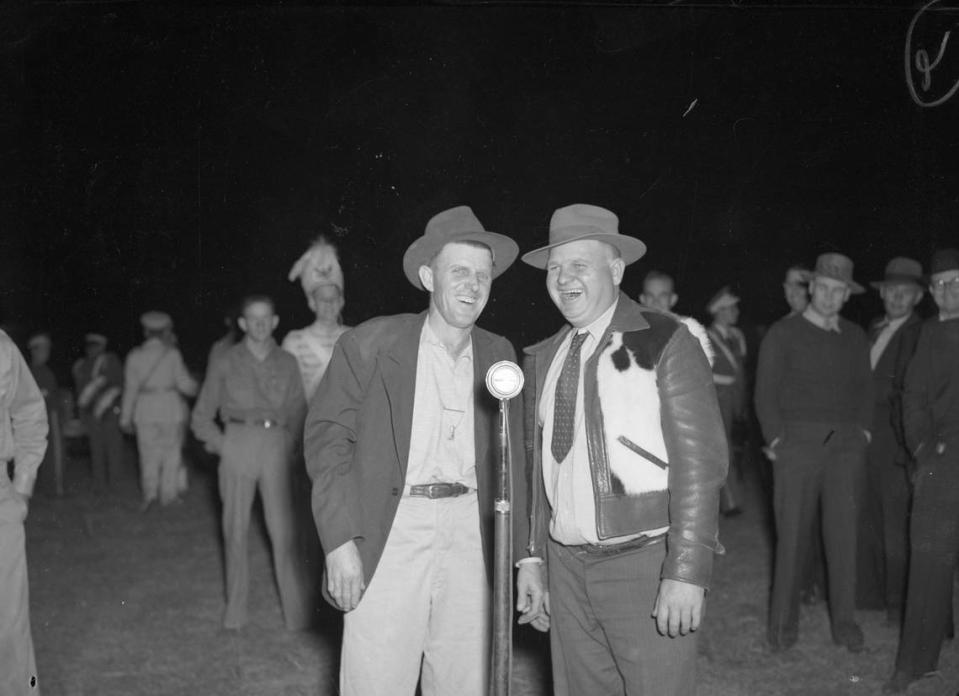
x: 814, y: 402
x: 931, y: 422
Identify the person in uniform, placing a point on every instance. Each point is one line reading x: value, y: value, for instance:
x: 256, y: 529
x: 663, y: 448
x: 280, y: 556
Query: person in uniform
x: 255, y: 388
x: 627, y: 453
x: 400, y: 444
x: 154, y: 386
x: 729, y: 376
x: 99, y: 382
x: 23, y: 432
x: 321, y: 277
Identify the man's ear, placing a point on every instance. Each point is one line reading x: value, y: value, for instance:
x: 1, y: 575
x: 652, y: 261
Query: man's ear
x: 673, y: 299
x: 426, y: 277
x: 242, y: 322
x: 275, y: 322
x: 617, y: 268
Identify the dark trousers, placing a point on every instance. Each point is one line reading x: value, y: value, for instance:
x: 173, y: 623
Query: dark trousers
x: 883, y: 522
x: 818, y: 472
x: 934, y: 543
x: 106, y: 447
x: 604, y: 640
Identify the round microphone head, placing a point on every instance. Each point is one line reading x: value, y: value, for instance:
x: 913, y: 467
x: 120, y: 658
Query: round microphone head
x: 504, y: 379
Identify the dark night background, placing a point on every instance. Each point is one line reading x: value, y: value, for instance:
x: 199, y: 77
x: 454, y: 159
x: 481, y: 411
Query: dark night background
x: 174, y: 157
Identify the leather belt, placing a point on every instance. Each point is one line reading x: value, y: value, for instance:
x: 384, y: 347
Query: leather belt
x: 439, y: 490
x: 639, y: 542
x: 259, y: 422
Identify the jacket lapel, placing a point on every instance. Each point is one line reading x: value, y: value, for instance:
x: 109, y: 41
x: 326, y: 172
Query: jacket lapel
x: 399, y: 380
x: 482, y: 420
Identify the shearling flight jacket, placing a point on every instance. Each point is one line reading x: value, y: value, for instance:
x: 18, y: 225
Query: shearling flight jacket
x: 655, y: 437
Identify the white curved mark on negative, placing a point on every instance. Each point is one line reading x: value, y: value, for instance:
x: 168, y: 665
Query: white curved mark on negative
x: 923, y: 65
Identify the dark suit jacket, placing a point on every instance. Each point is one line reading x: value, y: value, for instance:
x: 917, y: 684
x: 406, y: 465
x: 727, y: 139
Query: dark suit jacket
x: 889, y: 376
x: 357, y: 436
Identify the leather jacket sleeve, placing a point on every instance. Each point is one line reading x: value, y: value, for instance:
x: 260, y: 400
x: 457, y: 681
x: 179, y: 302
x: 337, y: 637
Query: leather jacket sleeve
x: 698, y: 459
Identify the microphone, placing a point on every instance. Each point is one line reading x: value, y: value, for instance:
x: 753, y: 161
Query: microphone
x: 504, y: 380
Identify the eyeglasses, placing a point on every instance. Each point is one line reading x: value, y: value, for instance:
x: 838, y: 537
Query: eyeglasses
x: 943, y: 285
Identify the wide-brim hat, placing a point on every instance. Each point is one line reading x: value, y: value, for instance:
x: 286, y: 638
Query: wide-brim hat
x: 837, y: 267
x: 900, y: 270
x: 40, y: 339
x: 458, y: 224
x: 582, y: 221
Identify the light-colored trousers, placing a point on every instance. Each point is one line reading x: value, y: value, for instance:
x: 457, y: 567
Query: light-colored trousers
x: 259, y: 458
x: 429, y: 601
x: 18, y: 668
x: 161, y: 446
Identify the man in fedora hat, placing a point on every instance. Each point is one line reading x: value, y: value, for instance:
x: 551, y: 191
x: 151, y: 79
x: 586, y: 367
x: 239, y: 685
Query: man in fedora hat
x: 931, y: 422
x: 881, y: 566
x: 400, y: 446
x: 627, y: 458
x: 98, y: 377
x: 814, y: 402
x: 155, y: 383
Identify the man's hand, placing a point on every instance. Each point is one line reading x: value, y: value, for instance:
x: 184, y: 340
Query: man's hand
x: 532, y: 599
x: 344, y: 575
x: 679, y: 607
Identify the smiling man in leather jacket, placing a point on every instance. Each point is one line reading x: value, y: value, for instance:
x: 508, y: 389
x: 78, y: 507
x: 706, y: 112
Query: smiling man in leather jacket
x: 628, y: 453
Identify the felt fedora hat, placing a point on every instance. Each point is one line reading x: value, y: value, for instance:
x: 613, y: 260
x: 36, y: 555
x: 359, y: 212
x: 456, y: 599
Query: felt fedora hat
x: 900, y: 270
x: 837, y: 267
x: 583, y: 221
x: 456, y: 225
x: 944, y: 260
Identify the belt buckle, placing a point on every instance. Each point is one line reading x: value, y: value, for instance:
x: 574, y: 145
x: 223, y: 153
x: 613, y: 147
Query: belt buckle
x: 440, y: 490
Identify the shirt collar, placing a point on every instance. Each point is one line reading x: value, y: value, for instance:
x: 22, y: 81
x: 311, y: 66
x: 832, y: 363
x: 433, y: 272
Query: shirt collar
x: 597, y: 327
x: 270, y: 347
x: 814, y: 317
x: 428, y: 337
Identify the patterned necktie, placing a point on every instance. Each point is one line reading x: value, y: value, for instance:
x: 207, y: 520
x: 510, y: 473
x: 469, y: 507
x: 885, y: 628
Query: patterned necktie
x: 564, y: 407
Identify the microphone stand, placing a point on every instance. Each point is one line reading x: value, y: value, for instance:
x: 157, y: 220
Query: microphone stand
x: 501, y: 658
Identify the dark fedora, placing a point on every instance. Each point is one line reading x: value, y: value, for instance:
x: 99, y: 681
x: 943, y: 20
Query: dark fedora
x: 456, y: 225
x: 837, y: 267
x: 900, y: 270
x: 944, y: 260
x: 582, y: 221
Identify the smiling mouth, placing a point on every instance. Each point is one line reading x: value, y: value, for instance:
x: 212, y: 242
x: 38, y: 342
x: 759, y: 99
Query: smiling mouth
x: 570, y: 295
x: 466, y: 299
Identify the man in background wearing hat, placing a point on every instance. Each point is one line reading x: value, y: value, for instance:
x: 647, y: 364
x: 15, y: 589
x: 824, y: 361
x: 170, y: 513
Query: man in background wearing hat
x: 23, y: 432
x: 883, y: 521
x: 627, y: 455
x: 255, y: 388
x: 729, y: 376
x: 931, y: 422
x: 814, y: 402
x: 99, y: 382
x: 400, y: 444
x: 155, y: 383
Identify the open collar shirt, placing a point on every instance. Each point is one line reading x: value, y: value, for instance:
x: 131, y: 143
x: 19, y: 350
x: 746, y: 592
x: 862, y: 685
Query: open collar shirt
x: 442, y: 441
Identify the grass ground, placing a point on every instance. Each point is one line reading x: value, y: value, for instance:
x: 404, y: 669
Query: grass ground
x: 129, y: 604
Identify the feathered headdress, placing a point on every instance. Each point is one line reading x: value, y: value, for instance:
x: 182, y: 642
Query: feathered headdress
x: 319, y: 265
